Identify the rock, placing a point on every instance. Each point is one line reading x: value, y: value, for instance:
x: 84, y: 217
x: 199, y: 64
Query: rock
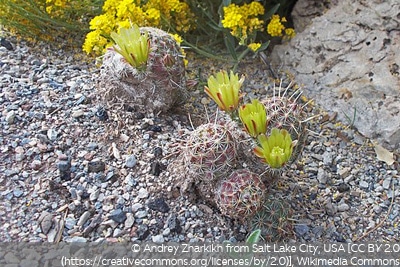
x: 136, y: 207
x: 10, y: 117
x: 4, y: 42
x: 130, y: 220
x: 94, y: 195
x: 352, y: 69
x: 166, y: 232
x: 322, y: 176
x: 141, y: 214
x: 117, y: 215
x: 174, y: 224
x: 158, y: 204
x: 364, y: 184
x: 155, y: 168
x: 343, y: 207
x: 386, y: 183
x: 70, y: 223
x: 158, y: 239
x: 17, y: 192
x: 343, y: 187
x: 46, y: 222
x: 64, y: 168
x: 83, y: 219
x: 52, y: 134
x: 143, y: 193
x: 301, y: 229
x: 155, y: 128
x: 36, y: 164
x: 96, y: 165
x: 142, y: 232
x: 157, y: 151
x: 130, y: 161
x: 76, y: 239
x: 77, y: 113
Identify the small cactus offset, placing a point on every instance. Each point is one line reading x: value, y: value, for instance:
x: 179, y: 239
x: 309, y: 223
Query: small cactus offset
x: 145, y: 69
x: 210, y: 152
x: 273, y: 219
x: 241, y: 194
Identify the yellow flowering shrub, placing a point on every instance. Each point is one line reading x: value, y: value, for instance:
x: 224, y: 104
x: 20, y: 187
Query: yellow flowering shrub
x: 276, y: 28
x: 47, y: 19
x: 117, y: 14
x: 243, y: 20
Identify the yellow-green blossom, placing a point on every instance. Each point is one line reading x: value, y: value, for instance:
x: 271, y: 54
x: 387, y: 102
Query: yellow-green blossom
x: 276, y: 149
x: 224, y: 90
x: 254, y: 118
x: 133, y: 46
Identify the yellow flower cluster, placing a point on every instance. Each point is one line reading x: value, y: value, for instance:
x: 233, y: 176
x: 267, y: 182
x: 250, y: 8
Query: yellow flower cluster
x: 119, y: 14
x: 55, y: 6
x: 276, y: 27
x: 242, y: 20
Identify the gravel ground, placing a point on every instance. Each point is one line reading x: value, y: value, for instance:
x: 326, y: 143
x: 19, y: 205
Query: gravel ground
x: 75, y: 169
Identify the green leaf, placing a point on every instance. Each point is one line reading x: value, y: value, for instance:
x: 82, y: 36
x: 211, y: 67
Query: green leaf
x: 230, y: 45
x: 254, y: 237
x: 271, y: 12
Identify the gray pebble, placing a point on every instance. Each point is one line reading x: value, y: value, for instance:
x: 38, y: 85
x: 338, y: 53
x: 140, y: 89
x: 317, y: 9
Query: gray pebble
x: 364, y: 184
x: 136, y: 207
x: 70, y: 223
x: 143, y: 193
x: 84, y: 217
x: 76, y: 239
x: 96, y: 165
x: 157, y: 239
x: 117, y: 215
x: 141, y: 214
x: 52, y: 134
x: 130, y: 161
x: 94, y: 195
x: 10, y: 117
x: 343, y: 207
x: 386, y: 183
x: 301, y: 229
x: 166, y: 232
x: 17, y: 192
x: 322, y: 176
x: 130, y: 220
x: 377, y: 209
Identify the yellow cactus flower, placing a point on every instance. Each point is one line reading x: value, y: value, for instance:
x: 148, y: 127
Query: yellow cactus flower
x: 224, y: 90
x: 276, y: 149
x: 254, y: 118
x: 133, y: 46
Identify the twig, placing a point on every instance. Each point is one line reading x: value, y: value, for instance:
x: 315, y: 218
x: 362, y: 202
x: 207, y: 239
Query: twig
x: 381, y: 223
x: 61, y: 228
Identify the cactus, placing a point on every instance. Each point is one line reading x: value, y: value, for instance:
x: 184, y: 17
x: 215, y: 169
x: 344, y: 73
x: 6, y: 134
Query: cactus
x: 273, y: 220
x: 284, y: 112
x: 210, y: 152
x: 152, y: 86
x: 241, y: 194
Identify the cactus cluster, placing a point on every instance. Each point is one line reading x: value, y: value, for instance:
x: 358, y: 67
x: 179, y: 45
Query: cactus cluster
x: 275, y: 127
x: 273, y: 219
x: 152, y: 78
x: 241, y: 194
